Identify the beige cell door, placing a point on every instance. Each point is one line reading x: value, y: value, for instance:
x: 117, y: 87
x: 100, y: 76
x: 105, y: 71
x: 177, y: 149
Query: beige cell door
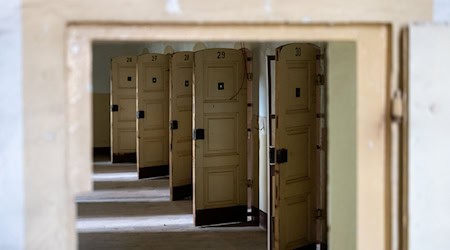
x: 180, y: 114
x: 123, y: 109
x: 295, y: 145
x: 153, y: 115
x: 220, y: 137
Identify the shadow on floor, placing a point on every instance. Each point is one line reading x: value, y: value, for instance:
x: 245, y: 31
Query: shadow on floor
x: 217, y: 239
x: 124, y: 212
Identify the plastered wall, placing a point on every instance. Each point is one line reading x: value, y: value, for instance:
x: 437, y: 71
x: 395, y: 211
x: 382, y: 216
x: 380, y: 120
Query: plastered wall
x: 342, y: 183
x: 429, y: 122
x: 12, y: 165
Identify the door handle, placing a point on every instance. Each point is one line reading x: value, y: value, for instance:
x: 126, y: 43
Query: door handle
x: 114, y: 108
x: 174, y: 124
x: 140, y: 114
x: 282, y: 155
x: 198, y: 134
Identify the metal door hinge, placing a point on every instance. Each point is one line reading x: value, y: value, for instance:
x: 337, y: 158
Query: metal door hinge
x: 397, y: 106
x: 114, y: 108
x: 271, y: 155
x: 249, y: 183
x: 320, y: 79
x: 319, y: 214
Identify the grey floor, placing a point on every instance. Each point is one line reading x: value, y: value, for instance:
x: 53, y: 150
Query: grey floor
x: 126, y: 213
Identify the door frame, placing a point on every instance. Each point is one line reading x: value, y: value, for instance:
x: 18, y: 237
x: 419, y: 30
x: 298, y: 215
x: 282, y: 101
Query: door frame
x: 373, y: 42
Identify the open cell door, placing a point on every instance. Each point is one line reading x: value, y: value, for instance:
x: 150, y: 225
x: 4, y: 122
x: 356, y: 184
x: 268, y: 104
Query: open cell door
x: 153, y: 115
x: 295, y: 146
x: 220, y: 137
x: 180, y: 112
x: 123, y: 108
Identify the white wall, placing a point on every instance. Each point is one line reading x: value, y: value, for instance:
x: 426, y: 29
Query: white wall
x: 12, y: 212
x: 429, y: 137
x: 441, y: 10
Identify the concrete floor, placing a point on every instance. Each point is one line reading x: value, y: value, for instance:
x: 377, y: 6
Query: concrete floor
x: 126, y: 213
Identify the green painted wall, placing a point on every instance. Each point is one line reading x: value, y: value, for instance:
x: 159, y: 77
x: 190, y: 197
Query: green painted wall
x: 342, y: 145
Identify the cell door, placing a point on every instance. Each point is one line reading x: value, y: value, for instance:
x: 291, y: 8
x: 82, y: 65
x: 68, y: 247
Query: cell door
x: 123, y: 108
x: 180, y: 114
x: 220, y: 137
x: 153, y: 115
x: 295, y: 145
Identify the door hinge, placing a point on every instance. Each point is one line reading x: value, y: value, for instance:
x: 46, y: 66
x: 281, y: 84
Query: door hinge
x: 320, y: 79
x: 140, y: 114
x: 397, y: 106
x: 250, y: 76
x: 319, y: 214
x: 114, y: 108
x: 271, y: 155
x: 174, y: 124
x: 249, y: 183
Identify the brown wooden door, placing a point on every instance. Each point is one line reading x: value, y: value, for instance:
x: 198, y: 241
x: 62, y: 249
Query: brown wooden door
x: 220, y: 137
x: 153, y: 115
x: 123, y: 108
x: 295, y: 169
x: 180, y: 114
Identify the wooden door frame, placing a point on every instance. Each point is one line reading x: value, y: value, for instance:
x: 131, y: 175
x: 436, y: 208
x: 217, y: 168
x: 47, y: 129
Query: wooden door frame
x: 373, y: 42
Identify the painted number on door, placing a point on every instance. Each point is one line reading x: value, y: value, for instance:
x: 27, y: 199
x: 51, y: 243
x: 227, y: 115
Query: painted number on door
x: 186, y: 57
x: 129, y: 59
x: 154, y: 58
x: 298, y: 51
x: 220, y: 54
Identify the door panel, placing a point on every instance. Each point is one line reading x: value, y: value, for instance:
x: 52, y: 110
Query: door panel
x: 181, y: 70
x: 220, y: 169
x: 295, y: 131
x: 153, y: 115
x: 123, y: 97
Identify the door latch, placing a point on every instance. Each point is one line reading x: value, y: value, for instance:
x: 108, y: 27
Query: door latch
x: 174, y: 124
x: 199, y: 134
x: 140, y: 114
x: 282, y: 155
x: 114, y: 108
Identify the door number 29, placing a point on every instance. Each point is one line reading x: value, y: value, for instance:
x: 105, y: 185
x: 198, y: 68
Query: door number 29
x: 220, y: 54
